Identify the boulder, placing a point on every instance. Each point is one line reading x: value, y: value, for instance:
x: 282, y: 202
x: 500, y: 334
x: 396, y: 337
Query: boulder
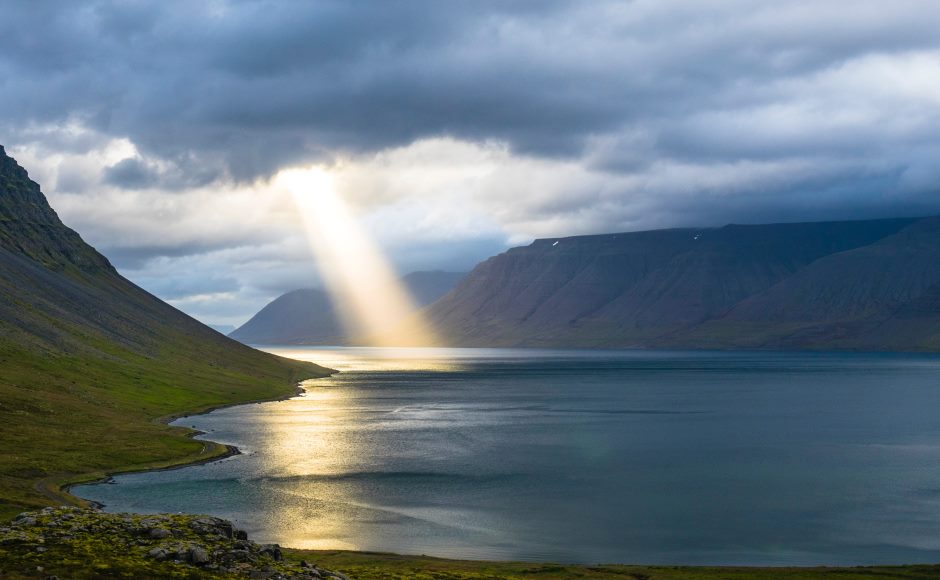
x: 198, y: 556
x: 273, y: 551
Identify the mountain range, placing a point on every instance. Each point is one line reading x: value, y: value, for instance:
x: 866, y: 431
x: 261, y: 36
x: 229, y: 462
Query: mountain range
x: 89, y: 361
x: 311, y: 316
x: 866, y: 285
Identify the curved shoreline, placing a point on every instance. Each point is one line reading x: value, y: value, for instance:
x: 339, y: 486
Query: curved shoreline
x: 61, y: 491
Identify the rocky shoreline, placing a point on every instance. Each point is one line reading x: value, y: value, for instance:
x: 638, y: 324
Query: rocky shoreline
x: 69, y: 542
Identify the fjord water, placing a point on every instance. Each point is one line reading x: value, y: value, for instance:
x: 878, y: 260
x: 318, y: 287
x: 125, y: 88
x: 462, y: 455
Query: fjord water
x: 582, y: 456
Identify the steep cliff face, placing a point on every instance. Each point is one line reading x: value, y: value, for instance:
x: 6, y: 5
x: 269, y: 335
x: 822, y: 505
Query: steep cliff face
x: 59, y: 291
x: 754, y: 286
x: 88, y: 360
x: 310, y: 315
x: 29, y: 227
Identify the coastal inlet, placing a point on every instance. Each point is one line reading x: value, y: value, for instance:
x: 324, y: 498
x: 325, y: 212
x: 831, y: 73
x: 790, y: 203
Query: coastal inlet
x: 580, y: 456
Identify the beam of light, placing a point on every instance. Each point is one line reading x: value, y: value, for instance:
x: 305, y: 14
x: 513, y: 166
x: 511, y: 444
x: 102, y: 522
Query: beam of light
x: 373, y: 305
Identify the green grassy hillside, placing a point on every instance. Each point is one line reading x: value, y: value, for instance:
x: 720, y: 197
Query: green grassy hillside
x: 90, y: 363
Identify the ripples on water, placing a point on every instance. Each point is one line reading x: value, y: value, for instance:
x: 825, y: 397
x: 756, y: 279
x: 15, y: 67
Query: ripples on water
x: 590, y: 456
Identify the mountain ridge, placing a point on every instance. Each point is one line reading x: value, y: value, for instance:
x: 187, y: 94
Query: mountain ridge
x: 680, y: 287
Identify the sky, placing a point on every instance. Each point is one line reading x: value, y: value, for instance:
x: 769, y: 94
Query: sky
x: 455, y: 130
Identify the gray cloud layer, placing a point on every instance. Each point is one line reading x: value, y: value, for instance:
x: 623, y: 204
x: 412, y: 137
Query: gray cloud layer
x: 247, y: 87
x: 681, y: 112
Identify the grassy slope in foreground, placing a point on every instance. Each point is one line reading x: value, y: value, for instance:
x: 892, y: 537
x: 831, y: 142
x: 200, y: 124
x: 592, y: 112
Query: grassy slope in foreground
x: 90, y: 363
x: 67, y: 419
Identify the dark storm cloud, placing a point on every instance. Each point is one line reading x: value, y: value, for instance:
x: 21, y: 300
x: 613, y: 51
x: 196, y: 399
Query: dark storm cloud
x: 134, y: 257
x: 251, y: 86
x: 248, y: 87
x: 138, y: 173
x: 131, y: 173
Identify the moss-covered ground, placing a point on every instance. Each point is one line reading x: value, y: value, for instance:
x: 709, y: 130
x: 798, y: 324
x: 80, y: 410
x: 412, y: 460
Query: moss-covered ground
x: 84, y: 543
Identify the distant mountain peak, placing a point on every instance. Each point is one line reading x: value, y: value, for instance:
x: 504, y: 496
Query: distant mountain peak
x: 311, y: 315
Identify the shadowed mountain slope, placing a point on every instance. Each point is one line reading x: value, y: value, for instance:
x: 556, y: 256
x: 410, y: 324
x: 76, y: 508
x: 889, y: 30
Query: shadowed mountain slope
x: 310, y: 315
x: 88, y: 360
x: 304, y: 316
x: 883, y: 296
x: 804, y: 285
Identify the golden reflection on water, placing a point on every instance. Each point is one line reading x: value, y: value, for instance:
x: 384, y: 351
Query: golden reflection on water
x: 312, y: 444
x: 306, y: 442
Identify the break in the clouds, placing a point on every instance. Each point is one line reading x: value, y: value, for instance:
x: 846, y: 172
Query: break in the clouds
x: 456, y: 128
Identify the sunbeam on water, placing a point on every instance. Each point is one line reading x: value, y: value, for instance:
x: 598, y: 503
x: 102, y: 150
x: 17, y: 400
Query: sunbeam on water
x: 374, y: 306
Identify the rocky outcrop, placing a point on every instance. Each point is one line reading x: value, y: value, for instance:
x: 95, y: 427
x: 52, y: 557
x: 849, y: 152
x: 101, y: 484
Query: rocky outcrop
x: 75, y: 542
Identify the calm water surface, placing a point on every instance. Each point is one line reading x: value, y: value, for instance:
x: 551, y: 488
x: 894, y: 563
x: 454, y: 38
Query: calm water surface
x: 640, y: 457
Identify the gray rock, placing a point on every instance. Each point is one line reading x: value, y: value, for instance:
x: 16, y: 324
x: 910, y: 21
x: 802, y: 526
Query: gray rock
x: 204, y: 542
x: 238, y: 555
x: 207, y: 525
x: 198, y: 555
x: 262, y: 574
x: 241, y: 535
x: 272, y: 550
x: 227, y: 529
x: 153, y: 521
